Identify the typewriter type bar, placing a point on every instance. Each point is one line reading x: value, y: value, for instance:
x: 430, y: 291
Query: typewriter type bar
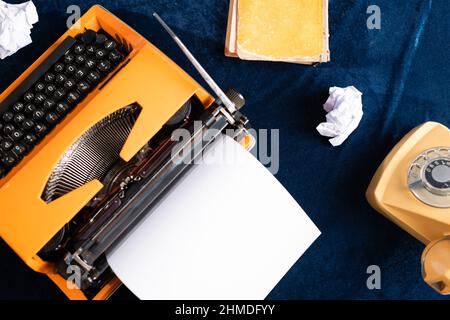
x: 140, y: 188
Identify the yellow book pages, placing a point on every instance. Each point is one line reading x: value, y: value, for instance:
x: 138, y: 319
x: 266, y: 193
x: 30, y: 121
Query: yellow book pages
x: 230, y: 41
x: 283, y: 30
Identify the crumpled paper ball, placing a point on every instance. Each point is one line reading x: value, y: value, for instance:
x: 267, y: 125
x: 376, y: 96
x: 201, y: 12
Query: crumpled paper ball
x: 16, y: 22
x: 345, y: 111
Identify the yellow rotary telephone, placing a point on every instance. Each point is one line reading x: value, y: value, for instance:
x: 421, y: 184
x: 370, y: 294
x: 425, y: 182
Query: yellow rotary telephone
x: 412, y: 188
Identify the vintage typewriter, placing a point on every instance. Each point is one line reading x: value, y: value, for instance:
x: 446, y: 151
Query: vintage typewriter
x: 86, y: 148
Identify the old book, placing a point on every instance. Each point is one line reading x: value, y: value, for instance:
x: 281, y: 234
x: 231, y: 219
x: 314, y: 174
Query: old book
x: 230, y: 41
x: 279, y: 30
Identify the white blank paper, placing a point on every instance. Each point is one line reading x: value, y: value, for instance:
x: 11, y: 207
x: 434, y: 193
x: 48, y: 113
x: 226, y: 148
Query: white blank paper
x: 227, y: 230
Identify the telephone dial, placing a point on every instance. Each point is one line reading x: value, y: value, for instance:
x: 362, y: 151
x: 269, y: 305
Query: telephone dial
x: 412, y: 188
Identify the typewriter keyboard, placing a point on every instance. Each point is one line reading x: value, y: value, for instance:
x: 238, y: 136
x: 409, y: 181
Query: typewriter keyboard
x: 52, y: 90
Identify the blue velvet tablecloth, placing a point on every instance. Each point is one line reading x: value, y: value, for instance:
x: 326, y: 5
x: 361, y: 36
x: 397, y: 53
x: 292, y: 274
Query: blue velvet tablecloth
x: 403, y: 71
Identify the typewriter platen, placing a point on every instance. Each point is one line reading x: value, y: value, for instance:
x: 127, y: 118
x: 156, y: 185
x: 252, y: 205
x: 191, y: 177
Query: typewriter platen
x: 86, y: 147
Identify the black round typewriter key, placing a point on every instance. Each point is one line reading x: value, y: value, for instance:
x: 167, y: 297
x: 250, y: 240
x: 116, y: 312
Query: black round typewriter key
x: 19, y: 149
x: 8, y: 116
x: 80, y: 59
x: 78, y: 48
x: 9, y: 160
x: 69, y: 58
x: 38, y: 114
x: 29, y: 108
x: 19, y: 118
x: 73, y: 97
x: 83, y: 87
x: 101, y: 38
x: 49, y: 103
x: 49, y: 77
x: 1, y: 129
x: 2, y: 153
x: 80, y: 74
x: 115, y: 56
x: 104, y: 66
x: 9, y: 128
x: 90, y: 63
x: 17, y: 135
x: 3, y: 165
x: 39, y: 98
x: 39, y: 86
x: 50, y: 89
x: 6, y: 144
x: 110, y: 45
x: 18, y: 107
x: 59, y: 67
x: 93, y: 77
x: 40, y: 129
x: 59, y: 94
x: 29, y: 96
x: 60, y: 78
x: 52, y: 118
x: 89, y: 36
x: 30, y: 139
x: 100, y: 53
x: 70, y: 69
x: 90, y: 49
x: 69, y: 84
x: 62, y: 108
x: 28, y: 124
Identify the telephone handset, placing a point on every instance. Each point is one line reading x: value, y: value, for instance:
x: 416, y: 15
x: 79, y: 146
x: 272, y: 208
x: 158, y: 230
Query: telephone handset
x: 412, y: 188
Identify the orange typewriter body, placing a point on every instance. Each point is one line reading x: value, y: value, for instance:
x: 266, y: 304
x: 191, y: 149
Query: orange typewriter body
x: 149, y: 79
